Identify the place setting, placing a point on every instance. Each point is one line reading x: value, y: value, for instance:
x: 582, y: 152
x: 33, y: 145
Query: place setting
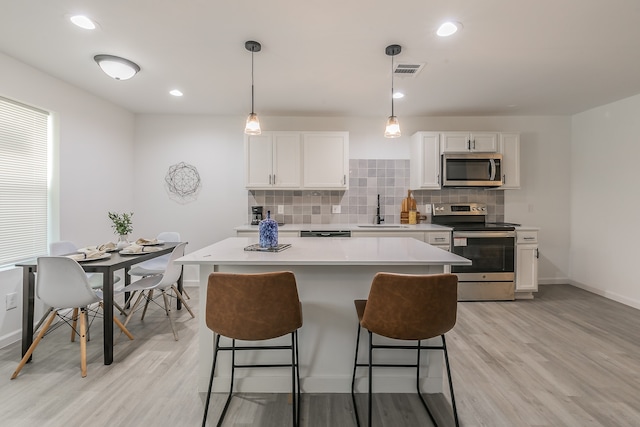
x: 142, y: 245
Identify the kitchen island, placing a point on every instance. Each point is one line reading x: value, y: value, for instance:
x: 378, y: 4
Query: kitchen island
x: 330, y: 274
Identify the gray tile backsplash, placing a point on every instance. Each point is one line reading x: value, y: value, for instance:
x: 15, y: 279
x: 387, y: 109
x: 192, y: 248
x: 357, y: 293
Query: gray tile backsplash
x: 367, y: 179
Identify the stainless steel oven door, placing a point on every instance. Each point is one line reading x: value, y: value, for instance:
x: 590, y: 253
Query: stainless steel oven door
x: 492, y: 254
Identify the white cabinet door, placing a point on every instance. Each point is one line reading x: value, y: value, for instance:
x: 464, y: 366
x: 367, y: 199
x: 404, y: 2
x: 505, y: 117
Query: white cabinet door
x: 258, y: 150
x: 486, y: 142
x: 466, y: 142
x: 527, y: 268
x: 286, y: 160
x: 425, y: 161
x: 325, y: 159
x: 510, y: 150
x: 455, y: 142
x: 272, y: 160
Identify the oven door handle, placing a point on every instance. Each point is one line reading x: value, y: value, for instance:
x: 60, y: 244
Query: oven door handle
x: 483, y: 234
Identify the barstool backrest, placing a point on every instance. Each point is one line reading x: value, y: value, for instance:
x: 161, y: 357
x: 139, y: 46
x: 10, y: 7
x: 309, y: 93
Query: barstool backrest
x: 411, y: 307
x: 253, y: 307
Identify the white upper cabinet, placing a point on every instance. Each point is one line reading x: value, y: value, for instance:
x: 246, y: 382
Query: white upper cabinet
x: 466, y: 142
x: 425, y: 161
x: 510, y: 150
x: 325, y: 160
x: 272, y: 160
x: 297, y: 160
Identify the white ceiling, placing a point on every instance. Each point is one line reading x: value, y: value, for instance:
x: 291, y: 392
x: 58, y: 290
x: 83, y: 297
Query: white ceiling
x: 327, y: 57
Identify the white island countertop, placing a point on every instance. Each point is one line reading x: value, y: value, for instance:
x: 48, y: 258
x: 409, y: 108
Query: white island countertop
x: 335, y: 251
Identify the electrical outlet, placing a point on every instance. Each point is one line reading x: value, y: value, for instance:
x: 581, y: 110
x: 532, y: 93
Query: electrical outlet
x: 12, y: 300
x: 335, y: 209
x: 280, y: 209
x: 427, y: 208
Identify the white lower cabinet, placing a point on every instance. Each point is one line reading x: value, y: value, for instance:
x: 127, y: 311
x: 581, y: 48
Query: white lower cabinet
x: 526, y: 261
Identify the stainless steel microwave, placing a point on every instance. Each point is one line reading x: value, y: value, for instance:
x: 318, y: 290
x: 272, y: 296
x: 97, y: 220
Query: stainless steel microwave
x: 471, y: 170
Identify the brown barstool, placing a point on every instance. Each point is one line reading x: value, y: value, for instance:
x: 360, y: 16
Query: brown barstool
x: 407, y: 307
x: 254, y: 307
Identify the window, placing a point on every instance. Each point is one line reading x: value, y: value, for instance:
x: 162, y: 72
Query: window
x: 24, y: 134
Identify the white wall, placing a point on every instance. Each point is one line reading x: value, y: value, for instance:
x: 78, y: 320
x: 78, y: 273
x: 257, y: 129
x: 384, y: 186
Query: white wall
x: 94, y: 145
x: 605, y: 200
x: 215, y: 146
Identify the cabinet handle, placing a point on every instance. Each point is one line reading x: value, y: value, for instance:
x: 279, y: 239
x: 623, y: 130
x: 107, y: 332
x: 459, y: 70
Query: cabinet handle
x: 274, y: 179
x: 529, y: 238
x: 474, y: 144
x: 537, y: 253
x: 504, y: 178
x: 344, y: 179
x: 269, y: 179
x: 438, y: 179
x: 439, y: 239
x: 468, y: 144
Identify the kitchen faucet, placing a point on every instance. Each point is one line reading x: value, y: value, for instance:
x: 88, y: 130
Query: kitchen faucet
x: 379, y: 219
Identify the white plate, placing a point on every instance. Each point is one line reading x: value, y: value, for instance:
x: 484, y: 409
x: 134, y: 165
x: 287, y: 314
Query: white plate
x: 95, y: 258
x: 157, y: 242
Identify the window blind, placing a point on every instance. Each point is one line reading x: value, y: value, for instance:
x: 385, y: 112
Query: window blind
x: 23, y: 182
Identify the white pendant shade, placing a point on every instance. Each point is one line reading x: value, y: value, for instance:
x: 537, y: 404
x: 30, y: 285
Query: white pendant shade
x: 253, y: 125
x: 393, y: 128
x: 116, y: 67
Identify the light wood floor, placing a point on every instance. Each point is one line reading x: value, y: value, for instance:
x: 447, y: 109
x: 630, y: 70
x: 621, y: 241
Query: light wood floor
x: 567, y: 358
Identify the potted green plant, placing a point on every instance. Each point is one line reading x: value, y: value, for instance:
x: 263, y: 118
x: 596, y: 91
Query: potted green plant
x: 122, y: 226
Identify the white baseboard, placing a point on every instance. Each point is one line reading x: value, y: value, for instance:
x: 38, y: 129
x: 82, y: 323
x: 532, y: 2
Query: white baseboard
x: 10, y: 338
x: 607, y: 294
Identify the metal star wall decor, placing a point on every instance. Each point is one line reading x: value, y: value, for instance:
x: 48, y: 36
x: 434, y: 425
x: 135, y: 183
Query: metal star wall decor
x: 183, y: 181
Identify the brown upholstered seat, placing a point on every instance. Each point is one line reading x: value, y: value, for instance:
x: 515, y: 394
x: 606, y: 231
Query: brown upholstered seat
x: 254, y: 307
x: 407, y: 307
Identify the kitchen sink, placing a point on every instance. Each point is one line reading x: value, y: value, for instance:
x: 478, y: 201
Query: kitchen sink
x: 382, y: 226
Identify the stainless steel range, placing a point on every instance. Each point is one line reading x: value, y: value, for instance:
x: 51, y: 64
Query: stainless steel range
x: 490, y: 247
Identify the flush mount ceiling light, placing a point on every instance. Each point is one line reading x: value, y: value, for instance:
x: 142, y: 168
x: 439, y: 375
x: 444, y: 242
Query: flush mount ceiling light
x: 176, y: 92
x: 253, y: 124
x: 116, y: 67
x: 392, y: 129
x: 448, y: 28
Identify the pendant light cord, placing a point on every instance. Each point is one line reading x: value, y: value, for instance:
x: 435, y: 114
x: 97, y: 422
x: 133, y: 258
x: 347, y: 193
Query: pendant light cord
x: 252, y: 81
x: 392, y: 85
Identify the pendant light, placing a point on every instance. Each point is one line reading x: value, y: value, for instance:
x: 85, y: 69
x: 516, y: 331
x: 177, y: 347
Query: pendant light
x: 253, y: 124
x: 392, y: 129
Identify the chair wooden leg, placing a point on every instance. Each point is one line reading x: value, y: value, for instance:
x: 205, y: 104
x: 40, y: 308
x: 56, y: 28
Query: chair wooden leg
x: 133, y: 309
x: 179, y: 296
x: 167, y: 308
x: 83, y: 342
x: 42, y: 319
x: 74, y: 324
x: 146, y: 304
x: 185, y: 294
x: 119, y: 324
x: 34, y: 344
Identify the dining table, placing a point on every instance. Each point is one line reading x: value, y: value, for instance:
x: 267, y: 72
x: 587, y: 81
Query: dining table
x: 107, y: 266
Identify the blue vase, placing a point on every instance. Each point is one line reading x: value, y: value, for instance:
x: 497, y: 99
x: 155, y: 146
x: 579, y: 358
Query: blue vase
x: 268, y: 229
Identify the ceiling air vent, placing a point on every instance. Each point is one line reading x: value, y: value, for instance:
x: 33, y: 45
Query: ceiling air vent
x: 408, y: 70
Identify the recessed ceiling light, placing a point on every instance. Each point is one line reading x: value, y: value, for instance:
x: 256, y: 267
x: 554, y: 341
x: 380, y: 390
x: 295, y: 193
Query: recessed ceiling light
x: 398, y: 95
x: 448, y: 28
x: 175, y: 92
x: 83, y: 22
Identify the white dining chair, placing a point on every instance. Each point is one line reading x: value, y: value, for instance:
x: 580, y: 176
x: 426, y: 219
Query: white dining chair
x: 159, y: 264
x: 62, y: 283
x: 65, y: 247
x: 163, y: 282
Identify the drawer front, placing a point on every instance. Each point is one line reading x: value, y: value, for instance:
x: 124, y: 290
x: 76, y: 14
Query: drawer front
x: 527, y: 237
x: 438, y: 238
